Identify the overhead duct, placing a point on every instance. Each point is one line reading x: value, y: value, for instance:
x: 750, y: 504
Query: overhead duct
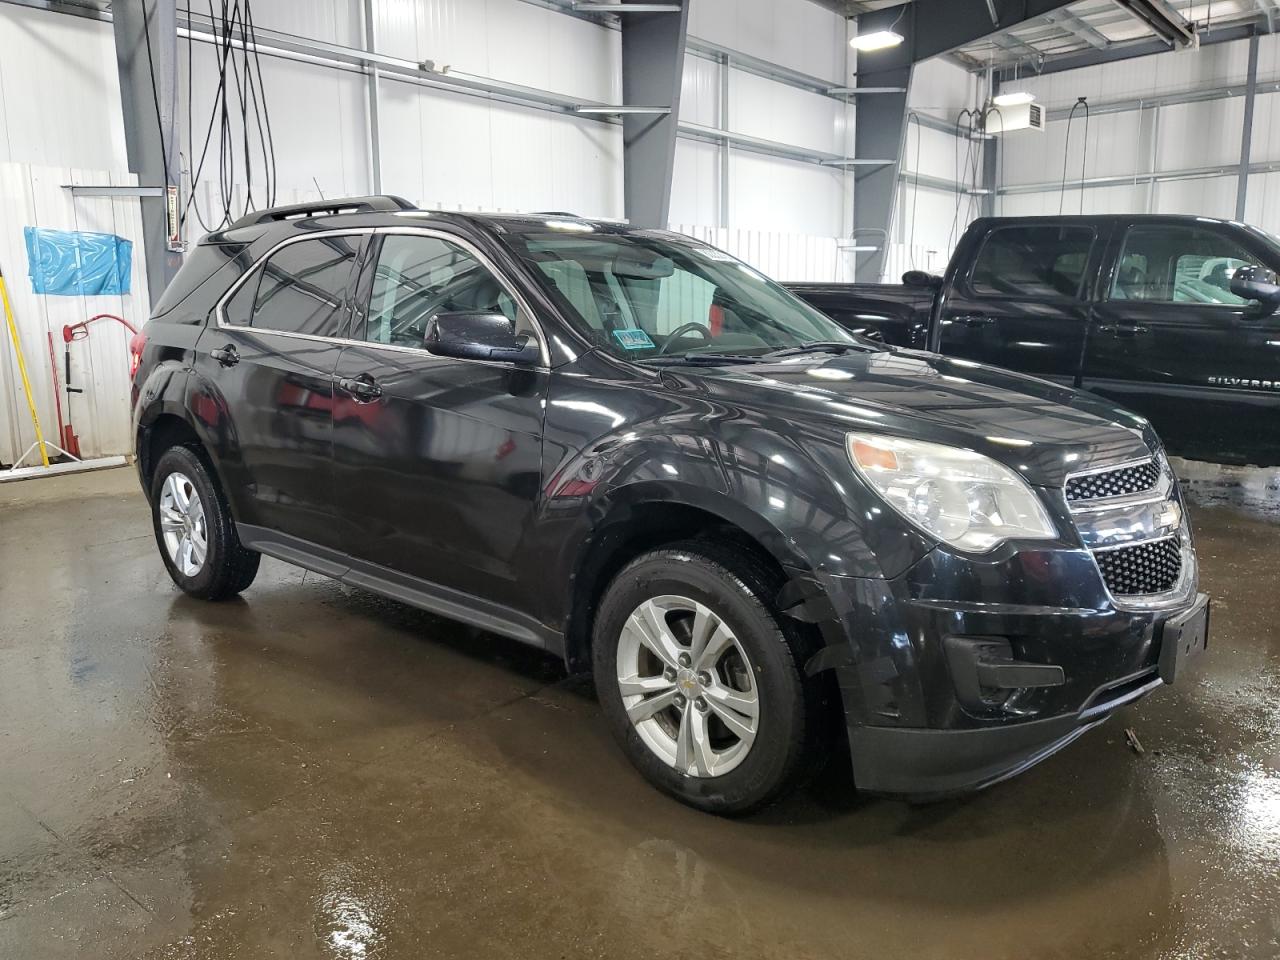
x: 1163, y: 20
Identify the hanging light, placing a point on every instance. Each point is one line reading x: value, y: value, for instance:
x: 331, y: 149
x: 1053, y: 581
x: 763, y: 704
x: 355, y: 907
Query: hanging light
x: 875, y: 40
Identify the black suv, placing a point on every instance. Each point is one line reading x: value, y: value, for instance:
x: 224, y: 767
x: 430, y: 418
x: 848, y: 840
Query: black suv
x: 638, y: 453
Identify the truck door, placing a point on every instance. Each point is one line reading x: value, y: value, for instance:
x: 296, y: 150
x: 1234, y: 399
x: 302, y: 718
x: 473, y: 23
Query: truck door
x: 1173, y: 343
x: 1021, y: 303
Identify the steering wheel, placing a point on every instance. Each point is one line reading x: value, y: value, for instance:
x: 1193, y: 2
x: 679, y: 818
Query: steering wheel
x: 680, y: 331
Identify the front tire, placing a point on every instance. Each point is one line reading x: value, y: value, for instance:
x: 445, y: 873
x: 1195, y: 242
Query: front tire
x: 701, y: 679
x: 194, y: 530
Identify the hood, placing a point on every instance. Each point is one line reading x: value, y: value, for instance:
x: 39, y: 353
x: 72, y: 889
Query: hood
x: 1042, y: 430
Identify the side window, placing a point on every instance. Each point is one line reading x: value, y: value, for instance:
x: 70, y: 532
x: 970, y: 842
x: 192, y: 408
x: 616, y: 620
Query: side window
x: 417, y: 278
x: 302, y: 288
x: 1171, y: 264
x: 1033, y: 261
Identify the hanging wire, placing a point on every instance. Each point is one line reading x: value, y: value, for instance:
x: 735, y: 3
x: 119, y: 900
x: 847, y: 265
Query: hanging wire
x: 1084, y: 152
x: 1066, y: 147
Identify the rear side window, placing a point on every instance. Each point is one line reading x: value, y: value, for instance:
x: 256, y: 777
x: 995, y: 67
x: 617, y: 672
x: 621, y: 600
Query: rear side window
x: 1044, y: 262
x: 302, y: 288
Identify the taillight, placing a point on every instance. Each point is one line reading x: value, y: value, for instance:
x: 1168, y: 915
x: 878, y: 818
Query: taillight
x: 136, y: 345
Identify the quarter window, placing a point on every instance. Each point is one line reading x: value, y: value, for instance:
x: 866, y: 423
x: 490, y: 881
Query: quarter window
x: 417, y: 278
x: 1034, y: 261
x: 302, y: 288
x: 1169, y: 264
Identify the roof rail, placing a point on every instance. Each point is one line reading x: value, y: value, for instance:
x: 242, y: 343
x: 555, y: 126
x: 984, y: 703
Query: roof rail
x: 317, y: 208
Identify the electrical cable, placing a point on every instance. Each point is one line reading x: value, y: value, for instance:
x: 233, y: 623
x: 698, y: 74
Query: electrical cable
x: 1066, y: 149
x: 965, y: 115
x: 1084, y: 153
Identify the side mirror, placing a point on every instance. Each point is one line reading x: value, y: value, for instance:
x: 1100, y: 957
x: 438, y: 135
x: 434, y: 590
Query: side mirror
x: 479, y: 336
x: 1256, y: 283
x: 919, y: 278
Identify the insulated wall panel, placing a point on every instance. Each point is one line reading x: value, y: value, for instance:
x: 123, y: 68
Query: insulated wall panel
x: 798, y: 34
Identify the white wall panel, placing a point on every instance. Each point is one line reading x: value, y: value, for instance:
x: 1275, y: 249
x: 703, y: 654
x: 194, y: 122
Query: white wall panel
x: 695, y: 186
x: 943, y: 89
x: 795, y: 33
x: 59, y: 90
x: 1199, y: 134
x: 334, y: 21
x: 771, y: 194
x: 773, y: 111
x: 700, y: 91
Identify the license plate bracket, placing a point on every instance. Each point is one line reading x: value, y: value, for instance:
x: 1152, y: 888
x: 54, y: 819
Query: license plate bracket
x: 1183, y: 638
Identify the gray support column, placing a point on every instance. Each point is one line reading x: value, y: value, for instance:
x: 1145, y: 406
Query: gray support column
x: 1246, y: 136
x: 879, y: 129
x: 151, y: 142
x: 652, y: 61
x: 991, y: 156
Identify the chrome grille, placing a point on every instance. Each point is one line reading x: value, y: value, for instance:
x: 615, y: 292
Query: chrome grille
x: 1142, y: 569
x: 1135, y: 478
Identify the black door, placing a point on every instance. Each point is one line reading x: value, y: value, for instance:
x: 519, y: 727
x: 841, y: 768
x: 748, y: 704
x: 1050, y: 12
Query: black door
x: 1173, y: 343
x: 437, y: 459
x: 271, y: 357
x: 1022, y: 305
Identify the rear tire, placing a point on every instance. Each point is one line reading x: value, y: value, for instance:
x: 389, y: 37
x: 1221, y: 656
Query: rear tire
x: 702, y: 680
x: 194, y: 529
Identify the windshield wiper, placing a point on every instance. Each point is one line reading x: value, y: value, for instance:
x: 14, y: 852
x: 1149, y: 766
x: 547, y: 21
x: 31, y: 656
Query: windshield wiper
x: 701, y: 359
x: 817, y: 346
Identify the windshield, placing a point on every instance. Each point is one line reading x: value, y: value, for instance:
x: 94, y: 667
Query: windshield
x: 644, y: 295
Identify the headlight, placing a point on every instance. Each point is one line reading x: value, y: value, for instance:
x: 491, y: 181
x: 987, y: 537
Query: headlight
x: 958, y: 496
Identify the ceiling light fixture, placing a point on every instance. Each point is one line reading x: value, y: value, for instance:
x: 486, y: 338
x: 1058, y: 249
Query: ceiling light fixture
x: 875, y: 40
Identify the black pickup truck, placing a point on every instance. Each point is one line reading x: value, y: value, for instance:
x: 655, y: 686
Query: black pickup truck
x: 1174, y: 317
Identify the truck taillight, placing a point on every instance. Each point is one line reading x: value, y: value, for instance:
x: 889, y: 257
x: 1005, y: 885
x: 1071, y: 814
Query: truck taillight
x: 136, y: 344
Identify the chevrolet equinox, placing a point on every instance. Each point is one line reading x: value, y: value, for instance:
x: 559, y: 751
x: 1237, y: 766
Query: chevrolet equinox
x: 636, y: 452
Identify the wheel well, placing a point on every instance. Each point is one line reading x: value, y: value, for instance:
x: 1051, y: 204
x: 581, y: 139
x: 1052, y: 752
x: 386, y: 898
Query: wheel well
x: 168, y: 430
x: 633, y: 530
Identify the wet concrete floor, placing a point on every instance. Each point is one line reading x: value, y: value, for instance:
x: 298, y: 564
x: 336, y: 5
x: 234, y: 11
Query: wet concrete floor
x: 314, y: 772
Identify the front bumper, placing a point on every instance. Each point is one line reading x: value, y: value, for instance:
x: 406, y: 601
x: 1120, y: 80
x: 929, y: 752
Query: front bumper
x: 918, y: 721
x: 939, y: 763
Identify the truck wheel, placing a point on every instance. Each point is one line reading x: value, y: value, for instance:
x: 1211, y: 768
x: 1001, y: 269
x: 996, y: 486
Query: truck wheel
x: 702, y: 681
x: 194, y: 531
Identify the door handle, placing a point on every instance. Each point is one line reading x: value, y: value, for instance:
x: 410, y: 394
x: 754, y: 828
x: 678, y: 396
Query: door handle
x: 974, y: 320
x: 363, y: 388
x: 228, y: 356
x: 1122, y: 329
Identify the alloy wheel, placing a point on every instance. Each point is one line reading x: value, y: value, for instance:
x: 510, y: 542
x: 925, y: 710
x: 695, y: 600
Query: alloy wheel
x: 687, y: 686
x: 182, y: 524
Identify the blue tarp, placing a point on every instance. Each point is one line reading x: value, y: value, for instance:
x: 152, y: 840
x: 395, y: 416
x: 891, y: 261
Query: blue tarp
x: 70, y: 263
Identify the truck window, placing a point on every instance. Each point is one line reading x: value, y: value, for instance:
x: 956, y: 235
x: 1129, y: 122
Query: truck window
x: 1171, y: 264
x: 1033, y: 261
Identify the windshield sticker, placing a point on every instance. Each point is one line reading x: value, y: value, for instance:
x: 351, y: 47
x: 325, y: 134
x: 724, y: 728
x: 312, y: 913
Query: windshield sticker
x: 711, y: 253
x: 633, y: 338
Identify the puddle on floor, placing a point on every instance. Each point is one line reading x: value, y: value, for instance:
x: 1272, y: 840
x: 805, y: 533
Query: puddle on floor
x: 1255, y: 490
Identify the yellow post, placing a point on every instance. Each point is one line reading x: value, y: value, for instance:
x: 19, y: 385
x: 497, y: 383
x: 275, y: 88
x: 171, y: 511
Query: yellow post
x: 22, y: 369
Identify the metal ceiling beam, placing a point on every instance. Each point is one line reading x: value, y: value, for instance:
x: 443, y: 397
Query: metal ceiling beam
x: 653, y: 46
x: 146, y: 38
x: 1138, y: 48
x: 944, y: 25
x: 1161, y: 19
x: 1069, y: 22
